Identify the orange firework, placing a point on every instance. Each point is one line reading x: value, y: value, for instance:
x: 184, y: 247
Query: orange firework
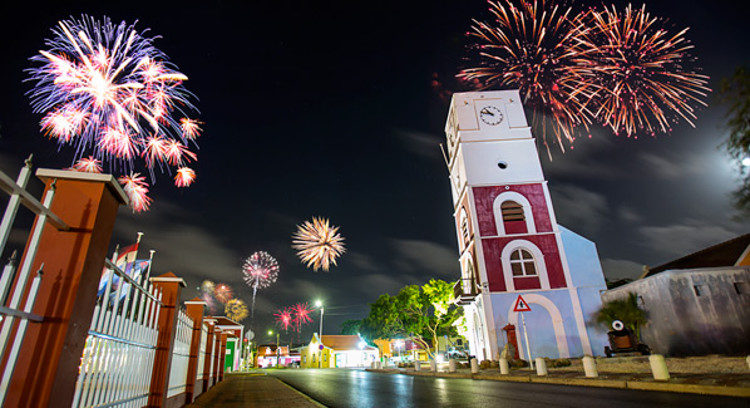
x: 223, y: 293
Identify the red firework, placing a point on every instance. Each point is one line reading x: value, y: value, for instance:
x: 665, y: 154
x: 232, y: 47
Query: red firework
x: 643, y: 73
x: 301, y: 315
x: 284, y: 318
x: 543, y: 49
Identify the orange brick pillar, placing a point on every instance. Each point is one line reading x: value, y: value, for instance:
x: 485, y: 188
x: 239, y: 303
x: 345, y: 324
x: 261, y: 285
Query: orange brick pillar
x: 223, y: 355
x: 209, y: 357
x: 217, y: 354
x: 170, y: 286
x: 47, y: 367
x: 194, y: 309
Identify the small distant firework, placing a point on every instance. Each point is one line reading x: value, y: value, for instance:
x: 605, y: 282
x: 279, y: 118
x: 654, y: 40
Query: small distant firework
x: 223, y: 293
x: 236, y: 310
x: 643, y: 72
x: 185, y: 177
x: 284, y: 318
x: 136, y: 188
x: 260, y: 270
x: 543, y: 49
x: 88, y: 165
x: 318, y: 243
x: 301, y: 315
x: 106, y: 90
x: 207, y: 286
x: 207, y: 293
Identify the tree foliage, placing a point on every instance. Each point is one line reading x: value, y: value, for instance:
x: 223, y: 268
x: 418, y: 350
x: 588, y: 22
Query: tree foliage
x: 351, y: 326
x: 625, y: 310
x: 735, y: 93
x: 420, y: 313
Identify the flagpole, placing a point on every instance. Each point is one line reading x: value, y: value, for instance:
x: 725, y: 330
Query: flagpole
x: 526, y: 337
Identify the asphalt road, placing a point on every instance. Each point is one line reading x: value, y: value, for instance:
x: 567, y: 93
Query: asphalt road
x: 362, y: 389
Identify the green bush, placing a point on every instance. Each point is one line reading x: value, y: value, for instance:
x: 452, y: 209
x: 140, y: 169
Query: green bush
x: 494, y: 364
x: 557, y: 362
x: 518, y: 363
x: 485, y: 364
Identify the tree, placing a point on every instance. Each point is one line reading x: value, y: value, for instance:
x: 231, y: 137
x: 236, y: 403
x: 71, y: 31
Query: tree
x: 419, y: 313
x: 735, y: 92
x: 351, y: 326
x: 626, y: 310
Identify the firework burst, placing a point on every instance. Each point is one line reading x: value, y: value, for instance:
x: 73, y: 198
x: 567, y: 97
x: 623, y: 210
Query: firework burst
x: 236, y: 310
x: 136, y: 188
x: 301, y: 315
x: 207, y: 293
x: 223, y: 293
x: 318, y: 243
x: 108, y: 91
x: 643, y: 73
x: 543, y: 49
x: 259, y: 271
x: 88, y: 165
x: 185, y: 177
x: 284, y: 318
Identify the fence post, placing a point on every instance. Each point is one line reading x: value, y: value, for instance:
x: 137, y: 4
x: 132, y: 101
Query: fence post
x: 194, y: 309
x: 223, y: 354
x: 50, y: 355
x: 170, y: 286
x: 209, y: 357
x: 217, y: 354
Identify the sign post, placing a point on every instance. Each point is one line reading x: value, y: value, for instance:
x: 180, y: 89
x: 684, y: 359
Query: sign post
x: 520, y: 307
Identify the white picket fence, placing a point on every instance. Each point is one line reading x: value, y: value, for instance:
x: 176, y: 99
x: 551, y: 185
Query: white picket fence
x: 180, y: 355
x: 118, y: 357
x: 202, y: 352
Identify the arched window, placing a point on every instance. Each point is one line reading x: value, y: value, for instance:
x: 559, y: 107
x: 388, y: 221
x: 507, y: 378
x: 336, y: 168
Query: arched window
x: 514, y: 220
x: 513, y: 214
x: 464, y: 220
x: 522, y: 263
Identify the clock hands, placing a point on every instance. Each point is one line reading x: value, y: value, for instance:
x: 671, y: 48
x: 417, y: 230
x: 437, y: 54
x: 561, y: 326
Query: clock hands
x: 486, y: 111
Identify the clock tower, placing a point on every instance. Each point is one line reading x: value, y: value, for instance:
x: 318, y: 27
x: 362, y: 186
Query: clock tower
x: 509, y: 241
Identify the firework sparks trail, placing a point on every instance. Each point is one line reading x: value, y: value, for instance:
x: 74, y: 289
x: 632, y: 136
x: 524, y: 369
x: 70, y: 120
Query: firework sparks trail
x: 236, y: 310
x: 543, y: 49
x: 318, y: 243
x: 643, y: 72
x: 284, y: 318
x: 301, y: 315
x: 88, y: 165
x: 260, y: 270
x: 223, y: 293
x: 106, y: 90
x: 136, y: 188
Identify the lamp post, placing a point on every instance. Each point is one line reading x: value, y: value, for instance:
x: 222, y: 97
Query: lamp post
x: 270, y: 333
x: 319, y: 304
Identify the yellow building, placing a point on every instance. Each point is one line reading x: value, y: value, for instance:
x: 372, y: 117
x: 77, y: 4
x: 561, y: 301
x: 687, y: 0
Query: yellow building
x: 337, y: 351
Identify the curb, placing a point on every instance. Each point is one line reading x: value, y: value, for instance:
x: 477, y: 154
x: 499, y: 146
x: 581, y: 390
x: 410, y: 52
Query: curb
x: 742, y: 392
x: 305, y: 396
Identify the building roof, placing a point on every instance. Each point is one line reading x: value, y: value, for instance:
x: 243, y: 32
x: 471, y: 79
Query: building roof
x: 343, y: 342
x: 729, y: 253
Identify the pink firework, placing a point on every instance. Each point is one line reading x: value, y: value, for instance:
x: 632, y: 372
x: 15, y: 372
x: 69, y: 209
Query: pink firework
x: 185, y: 177
x: 301, y: 313
x: 137, y: 190
x: 88, y: 165
x: 284, y: 318
x: 105, y: 89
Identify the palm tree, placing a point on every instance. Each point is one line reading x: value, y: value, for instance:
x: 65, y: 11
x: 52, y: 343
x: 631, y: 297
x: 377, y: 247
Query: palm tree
x: 626, y: 310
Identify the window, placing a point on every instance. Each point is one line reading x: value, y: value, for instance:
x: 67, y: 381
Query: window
x: 465, y: 226
x: 512, y: 211
x: 522, y: 263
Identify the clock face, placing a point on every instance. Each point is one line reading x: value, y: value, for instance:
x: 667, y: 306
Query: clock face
x: 491, y: 115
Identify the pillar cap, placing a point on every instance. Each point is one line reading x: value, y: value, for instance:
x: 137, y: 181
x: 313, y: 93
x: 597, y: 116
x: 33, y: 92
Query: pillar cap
x: 196, y: 301
x: 168, y: 277
x: 112, y: 183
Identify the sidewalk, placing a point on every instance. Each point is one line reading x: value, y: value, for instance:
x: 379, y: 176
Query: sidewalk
x: 253, y: 390
x: 732, y: 385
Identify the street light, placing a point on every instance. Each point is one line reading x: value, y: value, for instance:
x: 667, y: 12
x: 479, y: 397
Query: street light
x: 270, y: 333
x: 319, y: 304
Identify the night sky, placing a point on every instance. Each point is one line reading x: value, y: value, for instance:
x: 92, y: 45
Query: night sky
x: 327, y: 108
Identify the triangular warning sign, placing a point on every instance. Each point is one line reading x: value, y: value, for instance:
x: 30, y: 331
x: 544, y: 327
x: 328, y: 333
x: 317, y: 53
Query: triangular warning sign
x: 521, y: 305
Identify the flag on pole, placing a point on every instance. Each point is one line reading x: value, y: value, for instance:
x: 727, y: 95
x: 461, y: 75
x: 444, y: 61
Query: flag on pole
x: 125, y: 261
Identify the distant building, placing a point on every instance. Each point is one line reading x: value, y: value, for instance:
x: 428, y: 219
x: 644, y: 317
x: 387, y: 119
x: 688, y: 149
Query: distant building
x: 509, y: 241
x: 337, y: 351
x: 235, y: 332
x: 697, y: 304
x: 267, y: 355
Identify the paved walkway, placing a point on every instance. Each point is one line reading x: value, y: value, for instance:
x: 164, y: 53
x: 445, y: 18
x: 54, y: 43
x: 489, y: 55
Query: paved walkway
x: 253, y: 390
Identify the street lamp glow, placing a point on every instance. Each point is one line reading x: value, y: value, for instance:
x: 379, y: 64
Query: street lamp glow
x: 318, y: 303
x: 746, y: 162
x: 270, y: 332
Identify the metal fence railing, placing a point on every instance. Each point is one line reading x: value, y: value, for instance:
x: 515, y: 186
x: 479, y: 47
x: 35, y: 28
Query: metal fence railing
x: 202, y: 352
x: 180, y: 355
x: 18, y: 288
x: 118, y: 357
